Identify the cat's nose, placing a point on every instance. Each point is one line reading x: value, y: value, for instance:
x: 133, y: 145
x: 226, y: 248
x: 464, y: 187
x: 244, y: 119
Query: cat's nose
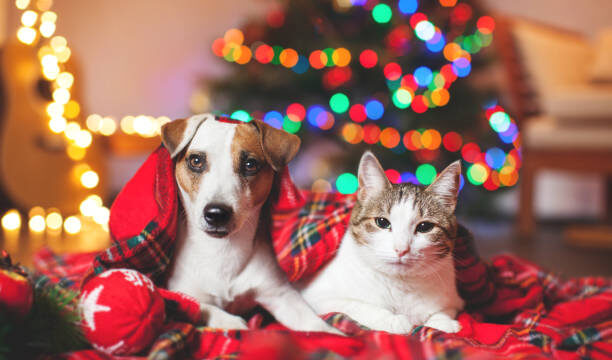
x: 402, y: 252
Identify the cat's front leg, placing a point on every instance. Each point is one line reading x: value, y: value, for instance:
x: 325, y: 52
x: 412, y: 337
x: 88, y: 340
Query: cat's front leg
x: 216, y: 317
x: 444, y: 321
x: 369, y: 315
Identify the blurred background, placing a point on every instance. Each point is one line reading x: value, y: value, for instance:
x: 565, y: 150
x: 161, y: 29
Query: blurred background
x: 521, y: 91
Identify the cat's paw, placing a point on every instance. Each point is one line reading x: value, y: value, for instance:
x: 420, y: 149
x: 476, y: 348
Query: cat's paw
x: 219, y: 319
x: 443, y: 323
x: 400, y: 324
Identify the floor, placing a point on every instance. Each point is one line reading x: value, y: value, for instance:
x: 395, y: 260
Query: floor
x: 546, y: 248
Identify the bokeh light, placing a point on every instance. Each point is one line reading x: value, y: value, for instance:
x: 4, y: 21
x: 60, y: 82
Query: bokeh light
x: 347, y: 183
x: 426, y: 174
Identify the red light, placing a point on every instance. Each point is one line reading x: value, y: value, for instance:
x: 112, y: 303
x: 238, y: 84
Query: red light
x: 336, y: 77
x: 417, y: 18
x: 392, y: 71
x: 368, y: 58
x: 409, y: 82
x: 317, y: 59
x: 486, y: 24
x: 419, y: 104
x: 449, y: 75
x: 217, y: 47
x: 371, y: 133
x: 393, y: 175
x: 412, y: 140
x: 470, y: 152
x: 264, y: 54
x: 357, y: 113
x: 275, y: 18
x: 452, y: 141
x: 296, y: 112
x: 461, y: 14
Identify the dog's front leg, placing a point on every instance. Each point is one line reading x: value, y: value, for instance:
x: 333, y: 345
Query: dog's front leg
x: 216, y: 317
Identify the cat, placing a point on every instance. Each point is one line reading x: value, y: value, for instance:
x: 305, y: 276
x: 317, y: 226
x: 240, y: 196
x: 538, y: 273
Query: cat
x: 394, y: 267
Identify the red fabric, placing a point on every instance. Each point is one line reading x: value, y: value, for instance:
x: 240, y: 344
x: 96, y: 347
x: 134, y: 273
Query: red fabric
x: 121, y: 311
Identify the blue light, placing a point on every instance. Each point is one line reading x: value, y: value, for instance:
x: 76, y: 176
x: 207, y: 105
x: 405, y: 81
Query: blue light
x: 461, y: 181
x: 437, y: 43
x: 274, y: 119
x: 423, y: 76
x: 374, y: 109
x: 495, y: 157
x: 408, y: 177
x: 313, y: 113
x: 510, y: 134
x: 462, y: 67
x: 408, y: 7
x: 301, y: 66
x: 359, y: 2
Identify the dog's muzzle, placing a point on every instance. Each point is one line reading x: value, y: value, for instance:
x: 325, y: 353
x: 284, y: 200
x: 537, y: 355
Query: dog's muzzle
x: 217, y: 217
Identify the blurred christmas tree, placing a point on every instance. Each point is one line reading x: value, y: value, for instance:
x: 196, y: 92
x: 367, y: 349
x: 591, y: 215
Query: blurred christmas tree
x: 387, y: 75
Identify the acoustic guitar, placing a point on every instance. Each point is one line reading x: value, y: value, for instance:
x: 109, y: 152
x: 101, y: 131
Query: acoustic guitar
x: 35, y: 169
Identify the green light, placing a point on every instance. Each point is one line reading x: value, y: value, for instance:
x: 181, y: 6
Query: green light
x: 402, y: 98
x: 329, y: 53
x: 426, y: 174
x: 291, y: 126
x: 277, y: 51
x: 241, y: 115
x: 347, y: 183
x: 381, y: 13
x: 339, y: 103
x: 500, y: 121
x: 477, y: 174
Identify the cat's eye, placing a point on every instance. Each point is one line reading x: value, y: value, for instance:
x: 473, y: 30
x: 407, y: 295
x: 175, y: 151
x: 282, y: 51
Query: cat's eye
x: 382, y: 223
x: 196, y: 162
x: 250, y: 166
x: 424, y: 227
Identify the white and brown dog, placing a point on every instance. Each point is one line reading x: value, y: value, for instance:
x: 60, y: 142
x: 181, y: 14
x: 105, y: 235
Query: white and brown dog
x: 225, y: 172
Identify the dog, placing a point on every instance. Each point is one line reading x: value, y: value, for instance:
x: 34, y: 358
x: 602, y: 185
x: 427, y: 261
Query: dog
x: 225, y: 171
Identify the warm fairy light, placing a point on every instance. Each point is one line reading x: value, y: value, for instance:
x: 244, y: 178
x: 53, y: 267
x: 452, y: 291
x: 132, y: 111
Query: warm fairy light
x: 48, y: 16
x: 51, y: 72
x: 90, y: 204
x: 90, y: 179
x: 72, y: 225
x: 11, y: 220
x: 37, y: 223
x: 49, y: 60
x: 144, y: 126
x: 72, y: 109
x: 65, y: 80
x: 127, y: 125
x: 57, y: 124
x: 47, y: 29
x: 54, y: 220
x: 22, y: 4
x: 55, y: 110
x: 109, y: 126
x: 44, y: 5
x: 28, y: 18
x: 72, y: 130
x: 83, y: 139
x: 101, y: 215
x: 64, y: 55
x: 94, y: 122
x: 75, y: 153
x: 26, y: 35
x: 61, y: 96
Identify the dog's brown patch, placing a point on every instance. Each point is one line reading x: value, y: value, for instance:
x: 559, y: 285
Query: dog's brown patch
x: 279, y: 147
x: 188, y: 179
x: 247, y: 142
x: 172, y: 133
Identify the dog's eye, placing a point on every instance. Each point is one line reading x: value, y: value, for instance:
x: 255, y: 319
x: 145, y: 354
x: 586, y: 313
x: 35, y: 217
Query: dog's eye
x: 424, y: 227
x: 250, y: 166
x: 196, y: 162
x: 382, y: 223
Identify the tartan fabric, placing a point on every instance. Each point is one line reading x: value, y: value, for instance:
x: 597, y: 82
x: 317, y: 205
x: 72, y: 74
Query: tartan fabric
x: 514, y: 308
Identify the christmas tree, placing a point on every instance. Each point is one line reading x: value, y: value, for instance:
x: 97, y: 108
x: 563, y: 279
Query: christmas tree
x: 393, y: 76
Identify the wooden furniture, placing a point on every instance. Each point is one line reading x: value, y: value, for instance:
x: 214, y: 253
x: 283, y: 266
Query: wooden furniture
x: 581, y: 142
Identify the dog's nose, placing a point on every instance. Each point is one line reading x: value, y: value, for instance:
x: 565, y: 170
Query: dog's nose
x: 217, y: 214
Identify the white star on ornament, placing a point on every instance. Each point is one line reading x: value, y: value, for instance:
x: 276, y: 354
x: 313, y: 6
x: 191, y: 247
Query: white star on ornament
x: 90, y: 306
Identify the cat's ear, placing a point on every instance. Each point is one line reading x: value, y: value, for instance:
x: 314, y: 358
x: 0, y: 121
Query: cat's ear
x: 446, y: 186
x: 372, y: 178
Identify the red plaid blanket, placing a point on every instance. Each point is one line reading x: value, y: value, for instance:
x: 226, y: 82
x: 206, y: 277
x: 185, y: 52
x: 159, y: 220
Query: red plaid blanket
x: 514, y: 308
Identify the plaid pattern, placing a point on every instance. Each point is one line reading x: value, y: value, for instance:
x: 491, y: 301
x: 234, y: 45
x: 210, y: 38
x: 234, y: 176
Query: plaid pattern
x: 514, y: 309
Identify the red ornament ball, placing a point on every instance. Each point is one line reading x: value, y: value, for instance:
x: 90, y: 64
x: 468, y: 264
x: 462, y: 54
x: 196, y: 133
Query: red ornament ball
x: 122, y: 312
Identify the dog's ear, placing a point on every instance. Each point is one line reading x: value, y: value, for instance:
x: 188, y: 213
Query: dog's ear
x: 279, y: 146
x: 178, y: 133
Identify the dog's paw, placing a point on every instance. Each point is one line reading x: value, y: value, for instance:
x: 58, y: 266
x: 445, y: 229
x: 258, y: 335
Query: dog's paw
x: 400, y: 324
x: 443, y: 323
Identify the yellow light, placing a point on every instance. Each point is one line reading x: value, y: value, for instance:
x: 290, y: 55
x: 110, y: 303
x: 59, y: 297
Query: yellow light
x: 49, y: 61
x: 75, y: 153
x: 47, y: 29
x: 109, y: 126
x: 37, y: 223
x: 28, y: 18
x: 101, y: 215
x: 83, y: 139
x: 90, y: 179
x: 44, y: 50
x: 72, y: 109
x: 72, y: 225
x: 127, y: 125
x: 44, y: 5
x: 143, y: 125
x: 51, y: 72
x: 22, y: 4
x: 58, y: 43
x: 64, y: 55
x: 90, y: 204
x: 55, y: 110
x: 161, y: 121
x: 48, y: 16
x: 26, y: 35
x: 57, y: 124
x: 72, y: 130
x: 36, y: 210
x: 94, y: 122
x: 11, y: 220
x: 65, y: 80
x: 54, y: 220
x: 61, y: 96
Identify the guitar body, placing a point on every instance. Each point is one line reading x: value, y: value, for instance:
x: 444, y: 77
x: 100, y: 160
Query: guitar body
x: 35, y: 169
